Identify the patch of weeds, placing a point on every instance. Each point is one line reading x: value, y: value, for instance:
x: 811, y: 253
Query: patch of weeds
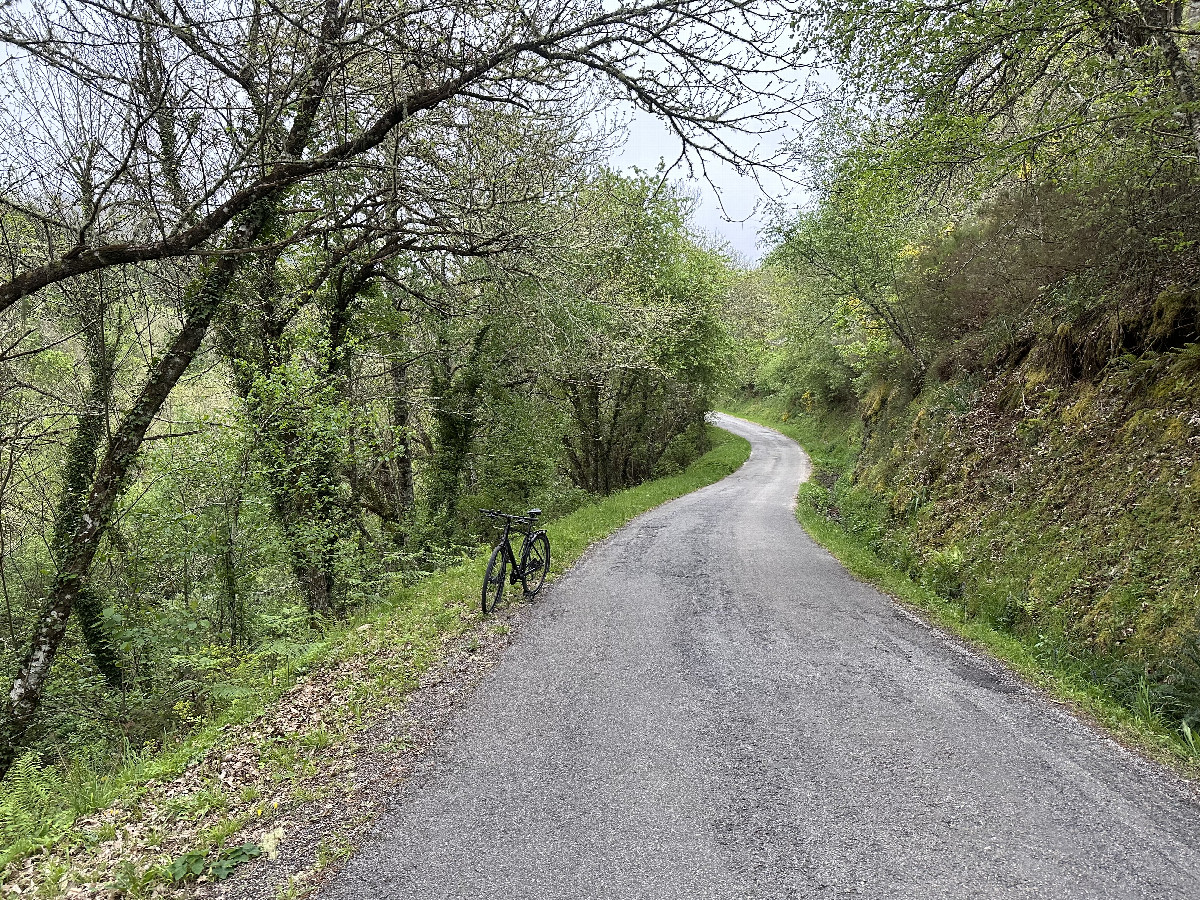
x: 280, y: 761
x: 396, y: 745
x: 316, y: 740
x: 305, y: 793
x: 53, y: 882
x: 943, y: 572
x: 218, y: 866
x: 210, y: 798
x: 102, y: 833
x: 219, y: 833
x: 1191, y: 738
x: 1144, y: 705
x: 332, y: 850
x: 294, y: 888
x: 232, y: 857
x: 130, y: 879
x: 188, y: 866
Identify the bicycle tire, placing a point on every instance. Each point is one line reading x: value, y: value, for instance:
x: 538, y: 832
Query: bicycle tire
x: 535, y: 563
x: 493, y: 581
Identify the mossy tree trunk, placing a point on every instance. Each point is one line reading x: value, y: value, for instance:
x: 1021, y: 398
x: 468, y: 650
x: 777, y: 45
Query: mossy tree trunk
x: 80, y: 530
x: 455, y: 386
x: 82, y: 452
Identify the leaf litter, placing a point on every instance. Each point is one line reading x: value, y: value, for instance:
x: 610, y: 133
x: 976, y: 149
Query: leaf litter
x: 301, y: 783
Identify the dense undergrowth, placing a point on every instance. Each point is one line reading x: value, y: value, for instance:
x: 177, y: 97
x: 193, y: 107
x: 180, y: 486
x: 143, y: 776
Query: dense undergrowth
x: 1055, y: 554
x: 48, y: 810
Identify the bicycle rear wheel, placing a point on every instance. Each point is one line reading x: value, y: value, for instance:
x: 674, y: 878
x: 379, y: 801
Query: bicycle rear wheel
x: 493, y: 581
x: 535, y: 563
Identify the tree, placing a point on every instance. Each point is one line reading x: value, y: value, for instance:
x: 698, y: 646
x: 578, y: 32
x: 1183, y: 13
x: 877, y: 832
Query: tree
x: 971, y: 81
x: 851, y: 248
x: 636, y: 355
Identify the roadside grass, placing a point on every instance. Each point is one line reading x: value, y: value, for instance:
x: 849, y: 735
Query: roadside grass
x: 62, y: 826
x: 832, y: 448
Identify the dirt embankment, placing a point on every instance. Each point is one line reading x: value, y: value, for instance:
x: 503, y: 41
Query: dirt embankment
x: 1063, y: 510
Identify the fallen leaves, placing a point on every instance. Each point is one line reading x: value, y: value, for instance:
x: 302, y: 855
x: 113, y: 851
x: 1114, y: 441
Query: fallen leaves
x: 267, y: 786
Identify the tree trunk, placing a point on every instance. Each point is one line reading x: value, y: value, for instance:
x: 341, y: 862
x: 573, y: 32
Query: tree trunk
x: 87, y: 523
x: 457, y: 392
x: 405, y: 493
x: 79, y: 469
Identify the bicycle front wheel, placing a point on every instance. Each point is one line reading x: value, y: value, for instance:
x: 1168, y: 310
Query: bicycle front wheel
x: 493, y: 581
x: 535, y: 563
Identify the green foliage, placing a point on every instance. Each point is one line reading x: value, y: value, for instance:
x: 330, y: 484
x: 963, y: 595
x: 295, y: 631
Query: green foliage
x: 95, y: 622
x: 942, y: 572
x: 636, y: 343
x: 979, y: 84
x: 132, y: 880
x: 31, y: 808
x: 218, y: 865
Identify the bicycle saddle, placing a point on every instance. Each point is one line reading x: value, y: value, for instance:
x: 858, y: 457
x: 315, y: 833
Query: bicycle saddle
x: 534, y: 512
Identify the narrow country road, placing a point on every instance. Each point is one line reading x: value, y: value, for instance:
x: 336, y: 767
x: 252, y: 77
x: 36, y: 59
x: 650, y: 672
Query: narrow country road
x: 709, y: 706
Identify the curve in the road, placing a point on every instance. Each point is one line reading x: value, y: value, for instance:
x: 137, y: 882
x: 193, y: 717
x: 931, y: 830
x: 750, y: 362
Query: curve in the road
x: 709, y: 706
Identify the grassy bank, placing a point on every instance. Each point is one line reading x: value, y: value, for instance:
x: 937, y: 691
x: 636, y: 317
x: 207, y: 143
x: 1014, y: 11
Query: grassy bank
x: 877, y: 547
x: 62, y: 827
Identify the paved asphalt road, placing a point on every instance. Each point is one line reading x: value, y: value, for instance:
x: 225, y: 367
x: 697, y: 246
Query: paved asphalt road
x: 708, y: 706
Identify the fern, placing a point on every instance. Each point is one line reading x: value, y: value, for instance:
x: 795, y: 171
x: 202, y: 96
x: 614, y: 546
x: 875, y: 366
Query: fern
x: 32, y: 807
x: 224, y: 691
x: 282, y: 649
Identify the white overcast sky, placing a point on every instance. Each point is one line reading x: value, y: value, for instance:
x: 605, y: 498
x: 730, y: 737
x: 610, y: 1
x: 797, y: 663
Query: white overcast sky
x: 648, y: 142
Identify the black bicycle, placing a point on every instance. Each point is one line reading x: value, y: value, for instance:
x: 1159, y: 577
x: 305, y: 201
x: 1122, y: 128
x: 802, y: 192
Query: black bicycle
x: 503, y: 567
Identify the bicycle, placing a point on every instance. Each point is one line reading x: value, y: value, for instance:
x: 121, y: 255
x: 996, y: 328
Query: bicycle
x: 530, y: 571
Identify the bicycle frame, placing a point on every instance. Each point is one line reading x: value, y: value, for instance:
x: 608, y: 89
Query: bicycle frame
x: 515, y: 572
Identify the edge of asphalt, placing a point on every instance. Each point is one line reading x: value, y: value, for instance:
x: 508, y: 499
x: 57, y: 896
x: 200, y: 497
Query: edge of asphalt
x: 1166, y: 771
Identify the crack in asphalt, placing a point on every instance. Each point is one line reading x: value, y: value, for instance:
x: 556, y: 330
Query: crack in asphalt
x: 709, y: 706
